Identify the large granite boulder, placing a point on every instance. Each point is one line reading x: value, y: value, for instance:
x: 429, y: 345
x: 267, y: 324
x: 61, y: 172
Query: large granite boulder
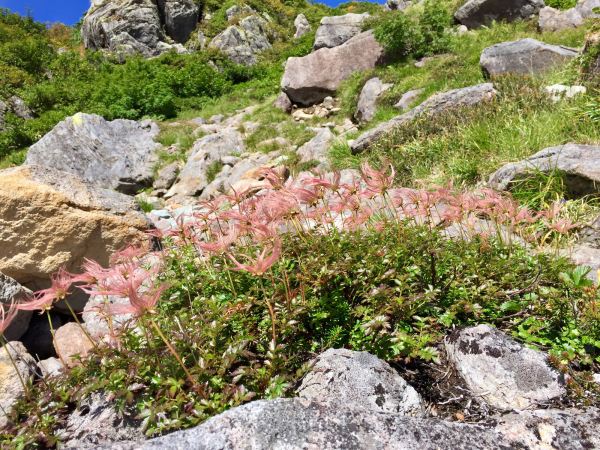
x: 456, y: 98
x: 302, y: 26
x: 362, y: 379
x: 525, y: 57
x: 407, y: 99
x: 50, y: 218
x: 294, y: 423
x: 114, y: 155
x: 11, y: 293
x: 283, y: 102
x: 316, y: 148
x: 110, y: 24
x: 371, y: 91
x: 580, y: 162
x: 180, y: 18
x: 336, y: 30
x: 477, y: 13
x: 166, y: 177
x: 504, y: 373
x: 254, y: 26
x: 309, y: 79
x: 10, y: 385
x: 206, y: 152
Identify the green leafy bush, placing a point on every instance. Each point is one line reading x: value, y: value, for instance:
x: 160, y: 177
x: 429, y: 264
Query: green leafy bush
x: 407, y: 36
x: 561, y: 4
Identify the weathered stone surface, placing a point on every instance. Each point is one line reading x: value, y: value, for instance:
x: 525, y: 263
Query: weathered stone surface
x: 371, y: 91
x: 316, y: 148
x: 70, y: 340
x: 525, y: 57
x: 240, y: 43
x: 362, y: 379
x: 38, y: 339
x: 50, y: 218
x: 206, y: 151
x: 234, y: 44
x: 113, y: 23
x: 95, y: 322
x: 476, y: 13
x: 302, y: 26
x: 97, y: 423
x: 236, y: 10
x: 336, y: 30
x: 580, y: 162
x: 407, y: 99
x: 421, y: 62
x: 587, y: 255
x: 51, y: 367
x: 180, y: 18
x: 18, y: 107
x: 555, y: 20
x: 310, y: 79
x: 12, y: 292
x: 254, y: 178
x: 294, y: 424
x: 456, y: 98
x: 560, y: 92
x: 255, y: 32
x: 10, y: 386
x: 283, y: 102
x: 572, y: 429
x: 167, y: 176
x: 397, y: 5
x: 114, y: 155
x: 504, y: 373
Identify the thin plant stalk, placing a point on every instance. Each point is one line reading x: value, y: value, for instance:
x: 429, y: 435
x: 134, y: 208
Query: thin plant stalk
x: 270, y: 308
x: 174, y: 354
x: 25, y: 389
x: 56, y: 343
x: 79, y: 323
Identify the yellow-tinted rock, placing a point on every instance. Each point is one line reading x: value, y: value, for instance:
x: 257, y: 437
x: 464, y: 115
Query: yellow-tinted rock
x: 50, y: 218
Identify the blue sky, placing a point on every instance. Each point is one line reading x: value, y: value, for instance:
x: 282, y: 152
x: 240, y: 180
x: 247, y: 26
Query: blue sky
x: 69, y: 11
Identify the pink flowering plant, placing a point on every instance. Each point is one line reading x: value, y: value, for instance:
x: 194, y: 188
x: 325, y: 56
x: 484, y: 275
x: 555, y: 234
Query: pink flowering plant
x: 234, y: 303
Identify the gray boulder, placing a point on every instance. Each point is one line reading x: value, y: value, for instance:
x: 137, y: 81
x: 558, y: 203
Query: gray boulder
x: 580, y: 162
x: 397, y: 5
x: 302, y: 26
x: 255, y: 33
x: 96, y: 422
x: 110, y: 24
x: 371, y: 91
x: 316, y: 148
x: 573, y: 429
x: 284, y: 103
x: 207, y: 151
x: 525, y: 57
x: 477, y: 13
x: 50, y: 367
x: 555, y: 20
x: 12, y: 389
x: 362, y: 379
x: 233, y: 43
x: 12, y: 292
x: 336, y: 30
x: 167, y: 176
x: 504, y: 373
x: 407, y: 99
x: 456, y: 98
x: 16, y: 106
x: 114, y: 155
x: 293, y: 423
x: 236, y: 10
x: 309, y: 79
x: 180, y: 18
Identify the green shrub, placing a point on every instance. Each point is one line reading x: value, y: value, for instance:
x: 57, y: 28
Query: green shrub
x: 406, y: 36
x: 561, y: 4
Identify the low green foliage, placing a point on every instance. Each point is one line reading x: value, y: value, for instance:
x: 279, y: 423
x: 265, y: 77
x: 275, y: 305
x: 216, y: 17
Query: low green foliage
x: 561, y: 4
x: 408, y: 36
